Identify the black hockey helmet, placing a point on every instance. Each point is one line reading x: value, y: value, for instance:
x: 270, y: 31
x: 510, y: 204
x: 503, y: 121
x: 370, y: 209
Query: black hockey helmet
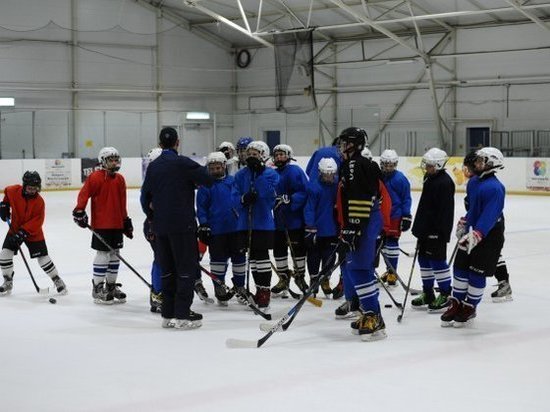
x: 31, y: 179
x: 470, y: 159
x: 356, y: 136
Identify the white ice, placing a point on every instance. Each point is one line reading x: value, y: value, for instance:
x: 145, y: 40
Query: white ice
x: 79, y: 356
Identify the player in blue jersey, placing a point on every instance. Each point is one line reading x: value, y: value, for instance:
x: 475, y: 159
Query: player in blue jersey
x: 241, y: 146
x: 399, y: 189
x: 481, y: 237
x: 321, y: 230
x: 218, y: 227
x: 332, y: 151
x: 253, y: 197
x: 289, y: 220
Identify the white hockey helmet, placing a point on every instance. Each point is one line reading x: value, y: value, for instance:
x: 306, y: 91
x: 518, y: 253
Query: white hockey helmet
x: 261, y: 147
x: 226, y: 145
x: 153, y: 154
x: 216, y: 157
x: 492, y: 157
x: 109, y: 153
x: 435, y: 157
x: 327, y: 165
x: 284, y: 148
x: 389, y: 156
x: 366, y: 153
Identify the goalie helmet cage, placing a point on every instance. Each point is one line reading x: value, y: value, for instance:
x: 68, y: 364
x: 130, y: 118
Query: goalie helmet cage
x: 294, y: 72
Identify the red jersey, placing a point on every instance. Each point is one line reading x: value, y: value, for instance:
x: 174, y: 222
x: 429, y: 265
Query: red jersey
x: 108, y: 194
x: 26, y: 213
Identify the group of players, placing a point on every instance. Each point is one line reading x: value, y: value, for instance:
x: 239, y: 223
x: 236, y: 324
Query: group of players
x: 343, y: 210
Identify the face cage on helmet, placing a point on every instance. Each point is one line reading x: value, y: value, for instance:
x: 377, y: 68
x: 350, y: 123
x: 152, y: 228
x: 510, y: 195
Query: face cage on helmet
x: 216, y: 175
x: 107, y: 159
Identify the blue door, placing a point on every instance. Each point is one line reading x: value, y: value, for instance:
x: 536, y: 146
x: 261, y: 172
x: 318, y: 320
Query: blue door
x: 272, y: 138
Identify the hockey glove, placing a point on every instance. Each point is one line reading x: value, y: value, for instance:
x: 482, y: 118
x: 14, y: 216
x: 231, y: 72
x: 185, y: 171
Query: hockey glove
x: 80, y: 218
x: 5, y: 213
x: 249, y: 198
x: 281, y: 200
x: 203, y: 233
x: 128, y: 228
x: 310, y: 238
x: 349, y: 239
x: 406, y: 222
x: 148, y: 230
x: 255, y: 164
x: 470, y: 240
x: 460, y: 228
x: 17, y: 238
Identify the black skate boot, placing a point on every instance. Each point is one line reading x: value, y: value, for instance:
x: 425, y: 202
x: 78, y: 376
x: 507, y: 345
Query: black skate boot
x: 300, y: 280
x: 241, y: 294
x: 222, y: 294
x: 60, y: 285
x: 325, y: 287
x: 447, y: 319
x: 503, y: 292
x: 465, y: 315
x: 7, y: 286
x: 201, y: 292
x: 114, y: 290
x: 191, y: 321
x: 100, y: 295
x: 348, y: 309
x: 281, y: 288
x: 371, y: 327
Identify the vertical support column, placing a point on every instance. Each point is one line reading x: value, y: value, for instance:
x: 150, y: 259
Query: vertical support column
x: 158, y: 72
x: 435, y: 104
x: 73, y: 127
x: 334, y: 93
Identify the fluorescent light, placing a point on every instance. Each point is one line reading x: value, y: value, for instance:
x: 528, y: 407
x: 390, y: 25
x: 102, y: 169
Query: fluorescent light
x: 7, y: 102
x: 197, y: 116
x: 400, y: 61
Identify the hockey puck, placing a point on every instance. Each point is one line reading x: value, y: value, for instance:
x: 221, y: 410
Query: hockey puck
x: 387, y: 305
x: 52, y: 301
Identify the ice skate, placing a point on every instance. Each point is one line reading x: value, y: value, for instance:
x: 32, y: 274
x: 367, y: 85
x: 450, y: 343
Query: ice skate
x: 114, y: 290
x: 60, y: 285
x: 371, y: 327
x: 421, y: 302
x: 465, y: 315
x: 348, y: 309
x: 300, y: 281
x: 447, y: 319
x: 100, y: 294
x: 281, y: 288
x: 192, y: 321
x: 503, y: 292
x: 325, y: 287
x: 168, y: 323
x: 201, y: 292
x: 262, y: 297
x: 222, y: 294
x: 439, y: 304
x: 155, y: 301
x: 7, y: 286
x: 338, y: 290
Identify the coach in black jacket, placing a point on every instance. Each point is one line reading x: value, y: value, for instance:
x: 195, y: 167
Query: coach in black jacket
x: 168, y: 199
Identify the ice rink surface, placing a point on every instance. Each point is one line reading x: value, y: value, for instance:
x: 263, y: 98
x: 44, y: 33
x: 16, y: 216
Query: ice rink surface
x: 79, y: 356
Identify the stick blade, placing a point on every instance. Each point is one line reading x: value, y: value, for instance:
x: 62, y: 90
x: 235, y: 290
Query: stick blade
x: 267, y: 326
x: 44, y: 291
x: 241, y: 343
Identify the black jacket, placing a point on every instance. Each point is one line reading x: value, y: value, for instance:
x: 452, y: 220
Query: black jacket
x: 435, y: 211
x: 168, y: 192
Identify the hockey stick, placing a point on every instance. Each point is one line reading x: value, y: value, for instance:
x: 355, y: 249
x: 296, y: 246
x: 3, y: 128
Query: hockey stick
x: 405, y: 253
x: 41, y: 291
x: 400, y: 316
x: 396, y: 303
x: 284, y: 323
x: 246, y: 298
x: 102, y: 240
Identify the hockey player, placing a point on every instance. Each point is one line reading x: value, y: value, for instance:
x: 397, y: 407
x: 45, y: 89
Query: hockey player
x: 321, y: 227
x: 254, y: 198
x: 332, y: 151
x: 481, y: 237
x: 289, y: 220
x: 107, y: 190
x: 504, y: 290
x: 432, y: 227
x: 362, y: 218
x: 24, y: 210
x: 232, y: 163
x: 242, y: 144
x: 218, y: 227
x: 168, y: 199
x: 155, y: 295
x: 399, y: 189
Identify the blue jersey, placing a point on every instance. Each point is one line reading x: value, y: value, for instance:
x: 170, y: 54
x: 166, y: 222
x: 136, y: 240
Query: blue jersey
x: 262, y: 211
x: 486, y: 203
x: 319, y: 211
x: 214, y: 207
x: 292, y: 182
x: 312, y: 168
x: 400, y: 192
